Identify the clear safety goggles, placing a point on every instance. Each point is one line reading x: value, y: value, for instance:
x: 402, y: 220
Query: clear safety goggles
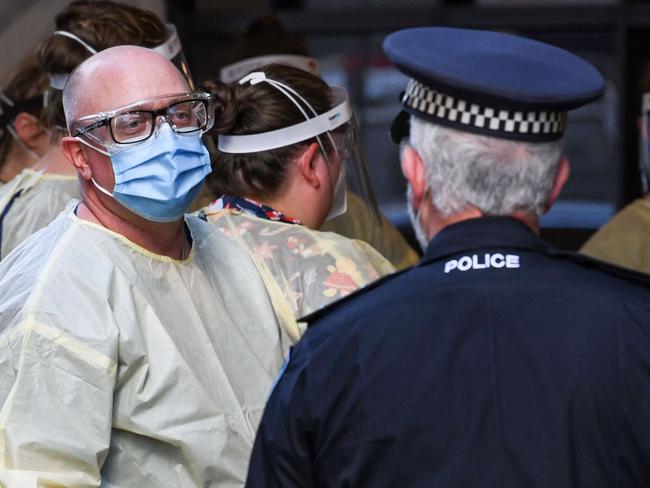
x: 186, y: 113
x: 170, y: 49
x: 338, y: 125
x: 235, y: 71
x: 644, y: 143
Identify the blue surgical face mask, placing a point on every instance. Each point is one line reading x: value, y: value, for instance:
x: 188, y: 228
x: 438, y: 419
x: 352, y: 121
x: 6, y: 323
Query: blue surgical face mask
x: 159, y: 178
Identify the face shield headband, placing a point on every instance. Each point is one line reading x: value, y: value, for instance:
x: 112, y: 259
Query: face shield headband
x: 235, y: 71
x: 311, y: 127
x: 171, y: 49
x: 345, y: 141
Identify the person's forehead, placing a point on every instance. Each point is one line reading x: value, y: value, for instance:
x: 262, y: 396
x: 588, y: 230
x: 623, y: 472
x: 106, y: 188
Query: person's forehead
x: 111, y: 91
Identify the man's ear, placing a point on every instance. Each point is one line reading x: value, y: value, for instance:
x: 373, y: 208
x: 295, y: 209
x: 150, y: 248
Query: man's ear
x: 306, y: 164
x: 74, y: 152
x: 561, y: 176
x: 413, y: 170
x: 28, y: 129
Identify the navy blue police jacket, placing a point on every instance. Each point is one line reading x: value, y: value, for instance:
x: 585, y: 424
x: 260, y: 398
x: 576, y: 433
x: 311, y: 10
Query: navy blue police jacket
x: 496, y: 362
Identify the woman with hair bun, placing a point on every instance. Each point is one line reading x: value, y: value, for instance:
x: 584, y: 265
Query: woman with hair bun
x: 286, y: 144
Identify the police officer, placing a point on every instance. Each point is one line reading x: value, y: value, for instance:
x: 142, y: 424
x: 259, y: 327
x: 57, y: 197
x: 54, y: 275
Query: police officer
x: 497, y: 361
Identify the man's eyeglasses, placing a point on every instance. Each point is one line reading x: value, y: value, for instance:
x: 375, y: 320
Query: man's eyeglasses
x: 186, y: 114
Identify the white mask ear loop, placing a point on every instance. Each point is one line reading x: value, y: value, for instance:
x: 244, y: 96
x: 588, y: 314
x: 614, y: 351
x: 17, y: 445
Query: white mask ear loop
x: 97, y: 185
x: 70, y: 35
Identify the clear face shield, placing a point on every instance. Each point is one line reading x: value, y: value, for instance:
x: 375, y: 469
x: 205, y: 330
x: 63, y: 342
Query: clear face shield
x: 644, y: 143
x: 337, y: 134
x: 170, y: 49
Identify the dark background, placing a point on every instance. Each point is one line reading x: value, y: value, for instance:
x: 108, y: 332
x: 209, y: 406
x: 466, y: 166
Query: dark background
x: 346, y: 37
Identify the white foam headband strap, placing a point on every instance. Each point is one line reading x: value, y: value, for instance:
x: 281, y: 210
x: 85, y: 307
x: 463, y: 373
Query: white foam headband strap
x: 265, y: 141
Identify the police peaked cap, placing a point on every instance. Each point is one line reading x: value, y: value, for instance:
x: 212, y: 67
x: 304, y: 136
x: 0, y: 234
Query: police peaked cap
x: 489, y: 83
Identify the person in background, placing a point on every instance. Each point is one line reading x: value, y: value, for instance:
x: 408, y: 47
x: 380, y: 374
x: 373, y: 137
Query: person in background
x: 23, y: 139
x: 266, y: 41
x: 282, y: 169
x: 625, y: 239
x: 138, y: 345
x: 38, y: 194
x: 498, y: 360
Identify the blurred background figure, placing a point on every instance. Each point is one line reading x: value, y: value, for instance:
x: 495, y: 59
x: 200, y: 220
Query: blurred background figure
x: 266, y: 41
x: 23, y: 138
x: 38, y: 194
x: 625, y: 240
x: 287, y: 152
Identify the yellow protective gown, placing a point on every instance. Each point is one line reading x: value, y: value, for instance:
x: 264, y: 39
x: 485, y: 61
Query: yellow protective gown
x: 136, y: 368
x: 625, y: 239
x: 309, y: 268
x: 42, y: 197
x: 356, y: 223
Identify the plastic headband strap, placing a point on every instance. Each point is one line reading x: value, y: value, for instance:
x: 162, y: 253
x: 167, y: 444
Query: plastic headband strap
x: 286, y: 90
x: 265, y: 141
x: 58, y: 80
x: 70, y: 35
x: 6, y: 100
x: 234, y: 71
x: 172, y: 46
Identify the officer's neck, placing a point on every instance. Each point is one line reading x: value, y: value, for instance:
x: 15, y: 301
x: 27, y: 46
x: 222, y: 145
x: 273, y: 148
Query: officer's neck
x: 436, y: 222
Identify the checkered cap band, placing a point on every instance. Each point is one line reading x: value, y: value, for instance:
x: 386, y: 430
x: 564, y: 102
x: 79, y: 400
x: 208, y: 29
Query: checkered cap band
x: 461, y: 113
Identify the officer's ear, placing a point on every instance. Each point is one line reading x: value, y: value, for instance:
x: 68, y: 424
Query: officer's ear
x: 413, y: 170
x: 561, y: 176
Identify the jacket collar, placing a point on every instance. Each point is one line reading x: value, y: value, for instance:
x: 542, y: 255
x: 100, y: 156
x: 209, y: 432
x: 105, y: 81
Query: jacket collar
x: 480, y: 234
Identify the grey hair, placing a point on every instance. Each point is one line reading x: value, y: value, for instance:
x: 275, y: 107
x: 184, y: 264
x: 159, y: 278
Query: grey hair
x: 496, y: 176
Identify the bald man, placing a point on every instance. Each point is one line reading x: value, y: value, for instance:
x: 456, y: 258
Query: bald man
x: 138, y: 346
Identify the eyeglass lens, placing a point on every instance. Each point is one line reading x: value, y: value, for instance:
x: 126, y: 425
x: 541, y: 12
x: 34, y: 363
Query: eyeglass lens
x: 135, y: 126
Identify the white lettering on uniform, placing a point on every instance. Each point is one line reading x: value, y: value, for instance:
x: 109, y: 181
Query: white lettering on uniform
x: 512, y: 261
x: 464, y: 263
x: 496, y: 260
x: 449, y: 265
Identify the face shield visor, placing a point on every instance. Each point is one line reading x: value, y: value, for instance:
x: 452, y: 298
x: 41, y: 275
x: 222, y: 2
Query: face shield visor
x: 236, y: 71
x: 170, y: 49
x: 644, y: 143
x: 337, y: 134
